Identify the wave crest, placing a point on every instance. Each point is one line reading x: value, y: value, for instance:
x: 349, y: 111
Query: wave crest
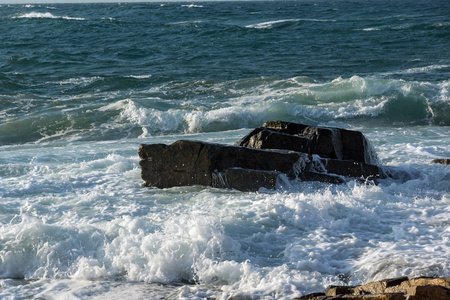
x: 46, y: 15
x: 206, y: 106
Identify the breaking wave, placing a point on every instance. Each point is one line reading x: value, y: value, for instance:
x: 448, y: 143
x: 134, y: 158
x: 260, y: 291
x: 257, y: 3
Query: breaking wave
x: 271, y: 24
x: 46, y: 15
x: 207, y: 106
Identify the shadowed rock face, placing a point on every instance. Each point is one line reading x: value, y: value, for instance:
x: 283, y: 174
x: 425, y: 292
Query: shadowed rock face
x: 197, y: 163
x: 442, y: 161
x: 263, y: 159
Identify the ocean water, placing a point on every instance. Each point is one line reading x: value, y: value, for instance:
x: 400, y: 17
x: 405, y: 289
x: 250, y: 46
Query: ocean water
x: 82, y: 85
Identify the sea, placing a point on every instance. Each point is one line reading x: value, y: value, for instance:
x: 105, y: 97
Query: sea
x: 83, y: 85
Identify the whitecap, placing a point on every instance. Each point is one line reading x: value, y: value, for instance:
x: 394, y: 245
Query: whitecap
x: 371, y: 29
x: 270, y: 24
x: 426, y: 69
x: 192, y: 5
x: 140, y: 76
x: 78, y: 81
x: 47, y: 15
x: 416, y: 70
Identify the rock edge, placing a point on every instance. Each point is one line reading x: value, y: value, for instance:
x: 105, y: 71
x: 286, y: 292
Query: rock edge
x: 402, y: 288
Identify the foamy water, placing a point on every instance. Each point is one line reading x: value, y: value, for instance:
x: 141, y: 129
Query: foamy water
x: 82, y: 86
x: 47, y: 15
x: 98, y: 222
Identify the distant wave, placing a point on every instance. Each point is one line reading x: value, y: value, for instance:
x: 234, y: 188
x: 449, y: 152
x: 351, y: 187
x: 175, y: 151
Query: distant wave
x: 47, y: 15
x: 270, y: 24
x: 425, y: 69
x: 408, y: 26
x: 371, y: 29
x: 140, y: 76
x: 192, y: 5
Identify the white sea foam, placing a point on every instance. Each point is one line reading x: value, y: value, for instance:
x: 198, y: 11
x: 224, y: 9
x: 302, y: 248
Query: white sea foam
x: 371, y: 29
x: 192, y: 5
x: 47, y: 15
x: 340, y: 99
x: 83, y: 215
x: 347, y: 102
x: 140, y: 76
x: 426, y: 69
x: 270, y: 24
x: 79, y: 81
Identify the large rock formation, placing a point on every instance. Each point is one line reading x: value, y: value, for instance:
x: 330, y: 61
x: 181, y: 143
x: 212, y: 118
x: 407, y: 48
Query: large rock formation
x: 197, y: 163
x: 327, y: 142
x: 402, y: 288
x: 269, y: 156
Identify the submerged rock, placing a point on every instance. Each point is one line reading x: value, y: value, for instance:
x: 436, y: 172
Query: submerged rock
x: 266, y: 158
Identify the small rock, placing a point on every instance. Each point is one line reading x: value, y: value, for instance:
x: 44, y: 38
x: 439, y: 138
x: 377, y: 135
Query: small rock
x: 442, y: 161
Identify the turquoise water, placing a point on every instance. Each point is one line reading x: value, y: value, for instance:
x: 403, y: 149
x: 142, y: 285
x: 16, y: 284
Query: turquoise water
x: 82, y: 85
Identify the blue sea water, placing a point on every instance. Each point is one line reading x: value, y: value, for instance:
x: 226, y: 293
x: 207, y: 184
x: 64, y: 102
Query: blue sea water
x: 82, y: 85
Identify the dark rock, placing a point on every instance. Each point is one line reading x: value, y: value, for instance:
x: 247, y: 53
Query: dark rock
x: 263, y: 159
x: 245, y: 179
x: 350, y: 168
x: 443, y: 161
x: 312, y: 296
x: 327, y: 142
x: 198, y: 163
x: 262, y: 138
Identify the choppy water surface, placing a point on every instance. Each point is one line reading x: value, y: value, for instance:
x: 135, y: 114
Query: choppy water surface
x: 81, y: 86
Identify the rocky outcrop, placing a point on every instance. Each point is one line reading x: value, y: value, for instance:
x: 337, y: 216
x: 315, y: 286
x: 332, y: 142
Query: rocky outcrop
x: 402, y: 288
x: 198, y: 163
x: 442, y: 161
x: 327, y: 142
x: 268, y: 157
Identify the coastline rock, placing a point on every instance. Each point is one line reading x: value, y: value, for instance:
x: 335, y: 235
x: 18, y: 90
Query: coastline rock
x: 442, y: 161
x: 265, y: 158
x: 327, y: 142
x: 422, y: 288
x: 198, y: 163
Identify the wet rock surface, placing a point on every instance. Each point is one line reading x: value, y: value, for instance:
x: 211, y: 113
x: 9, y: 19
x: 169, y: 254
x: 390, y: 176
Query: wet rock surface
x: 402, y: 288
x: 442, y: 161
x: 269, y: 156
x: 327, y: 142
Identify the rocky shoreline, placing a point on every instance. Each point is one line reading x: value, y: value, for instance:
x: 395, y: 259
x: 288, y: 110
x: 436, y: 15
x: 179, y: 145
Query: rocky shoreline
x: 402, y: 288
